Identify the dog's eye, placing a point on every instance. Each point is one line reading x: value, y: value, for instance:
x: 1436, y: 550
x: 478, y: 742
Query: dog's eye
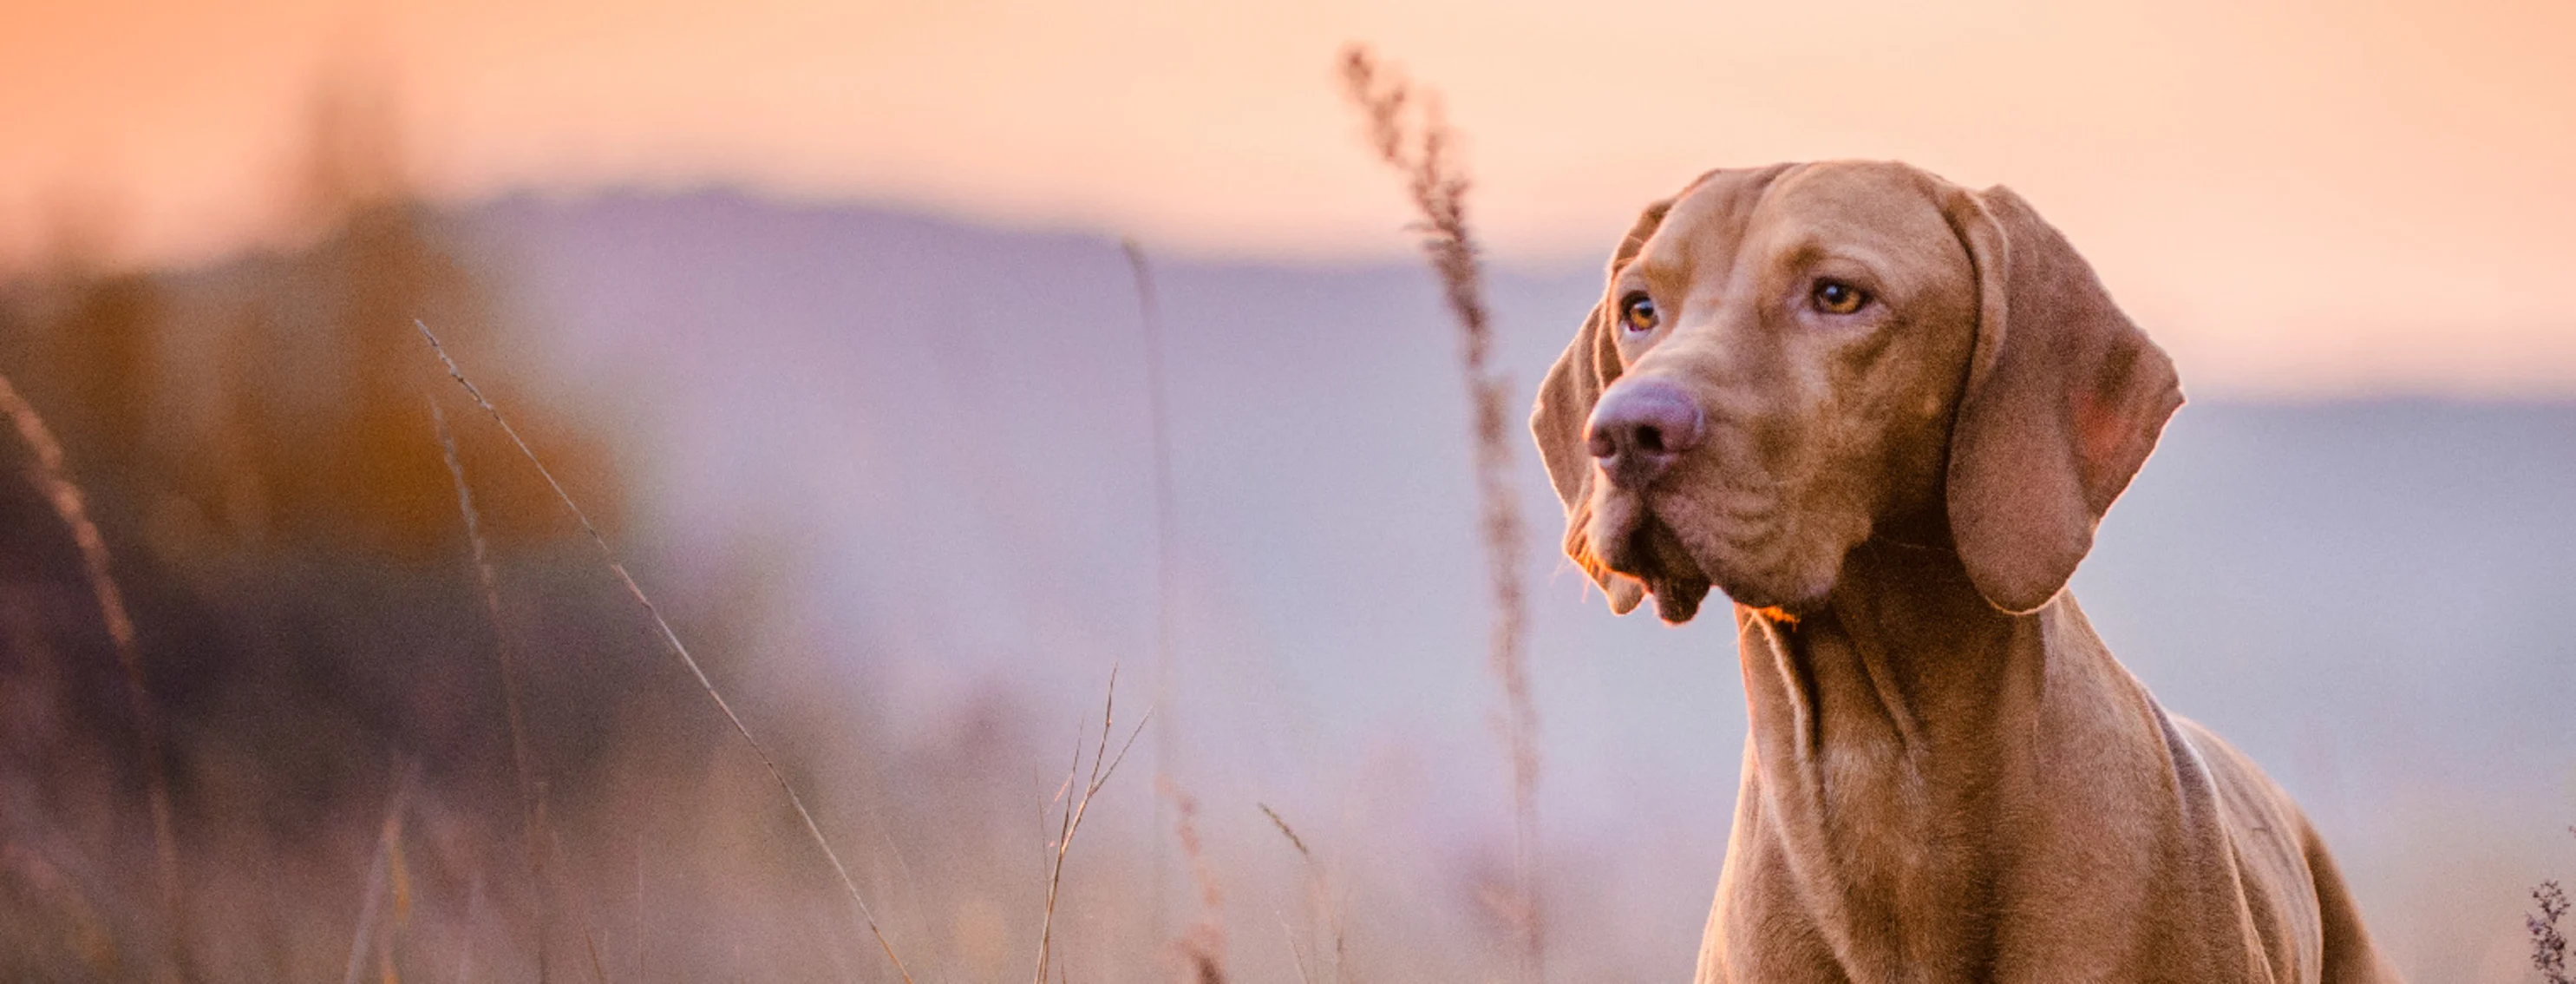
x: 1837, y: 297
x: 1638, y: 313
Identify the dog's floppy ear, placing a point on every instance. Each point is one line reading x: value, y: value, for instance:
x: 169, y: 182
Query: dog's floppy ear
x: 2064, y: 398
x: 1565, y: 401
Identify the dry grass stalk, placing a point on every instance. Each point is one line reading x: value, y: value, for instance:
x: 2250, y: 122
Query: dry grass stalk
x: 54, y: 480
x: 1419, y: 149
x: 532, y: 802
x: 671, y: 640
x: 1149, y: 311
x: 88, y: 933
x: 1070, y: 822
x: 1296, y: 952
x: 1201, y: 949
x: 388, y: 837
x: 2548, y: 944
x: 473, y: 920
x: 1319, y: 898
x: 1287, y: 831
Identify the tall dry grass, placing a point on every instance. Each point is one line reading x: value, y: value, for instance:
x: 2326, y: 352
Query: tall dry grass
x: 1321, y: 907
x: 2548, y: 943
x: 387, y: 866
x: 1149, y: 312
x: 1410, y: 134
x: 53, y: 479
x: 1199, y: 950
x: 671, y: 639
x: 1076, y: 803
x: 523, y: 768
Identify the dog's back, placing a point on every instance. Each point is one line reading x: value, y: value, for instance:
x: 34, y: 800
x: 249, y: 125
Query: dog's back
x: 2278, y: 851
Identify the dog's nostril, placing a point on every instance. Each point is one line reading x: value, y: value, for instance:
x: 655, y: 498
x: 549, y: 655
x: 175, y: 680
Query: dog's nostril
x: 1650, y: 440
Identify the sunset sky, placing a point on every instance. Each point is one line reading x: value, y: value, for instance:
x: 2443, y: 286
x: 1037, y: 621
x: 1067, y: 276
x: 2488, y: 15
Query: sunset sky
x: 2297, y: 197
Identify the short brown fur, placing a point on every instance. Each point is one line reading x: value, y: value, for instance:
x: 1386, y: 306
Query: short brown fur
x: 1947, y: 777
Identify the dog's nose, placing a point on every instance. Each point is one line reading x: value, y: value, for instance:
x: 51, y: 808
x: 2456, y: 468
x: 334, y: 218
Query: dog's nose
x: 1640, y: 427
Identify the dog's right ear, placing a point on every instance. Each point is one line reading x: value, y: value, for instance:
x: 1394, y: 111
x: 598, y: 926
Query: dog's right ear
x: 1565, y: 401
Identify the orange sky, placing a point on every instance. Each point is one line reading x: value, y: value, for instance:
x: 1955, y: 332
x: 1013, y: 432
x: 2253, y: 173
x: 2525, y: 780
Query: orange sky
x: 2297, y: 197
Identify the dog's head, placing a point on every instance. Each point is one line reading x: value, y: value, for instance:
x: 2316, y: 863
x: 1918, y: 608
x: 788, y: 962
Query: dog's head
x: 1790, y: 360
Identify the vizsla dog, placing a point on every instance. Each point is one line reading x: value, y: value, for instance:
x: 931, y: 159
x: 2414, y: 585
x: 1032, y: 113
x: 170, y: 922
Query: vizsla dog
x: 1883, y: 413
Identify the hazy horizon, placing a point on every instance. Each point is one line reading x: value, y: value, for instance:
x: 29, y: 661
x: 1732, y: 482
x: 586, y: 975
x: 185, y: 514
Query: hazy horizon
x: 2302, y: 198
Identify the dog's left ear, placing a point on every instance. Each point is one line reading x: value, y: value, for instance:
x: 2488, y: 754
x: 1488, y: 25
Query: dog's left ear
x: 2064, y: 399
x: 1590, y: 364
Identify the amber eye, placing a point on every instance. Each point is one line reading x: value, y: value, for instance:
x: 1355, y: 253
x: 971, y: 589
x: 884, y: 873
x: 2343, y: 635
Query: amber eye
x: 1837, y: 297
x: 1638, y: 313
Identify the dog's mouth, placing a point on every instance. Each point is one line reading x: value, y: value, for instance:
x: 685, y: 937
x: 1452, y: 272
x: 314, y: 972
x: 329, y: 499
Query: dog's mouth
x: 1636, y: 542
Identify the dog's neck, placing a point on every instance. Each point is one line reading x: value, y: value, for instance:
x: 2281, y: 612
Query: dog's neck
x: 1904, y: 655
x: 1892, y: 730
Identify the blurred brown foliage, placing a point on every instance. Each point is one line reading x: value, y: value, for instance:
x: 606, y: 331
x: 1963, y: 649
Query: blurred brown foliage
x: 255, y: 443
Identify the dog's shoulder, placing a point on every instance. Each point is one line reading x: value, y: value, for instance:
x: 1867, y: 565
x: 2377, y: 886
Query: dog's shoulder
x: 2270, y: 844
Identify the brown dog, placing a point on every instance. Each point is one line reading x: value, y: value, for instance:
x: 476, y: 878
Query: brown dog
x: 1883, y: 413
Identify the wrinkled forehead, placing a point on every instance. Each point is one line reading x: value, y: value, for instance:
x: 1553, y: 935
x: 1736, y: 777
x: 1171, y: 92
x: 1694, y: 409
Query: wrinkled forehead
x: 1873, y: 211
